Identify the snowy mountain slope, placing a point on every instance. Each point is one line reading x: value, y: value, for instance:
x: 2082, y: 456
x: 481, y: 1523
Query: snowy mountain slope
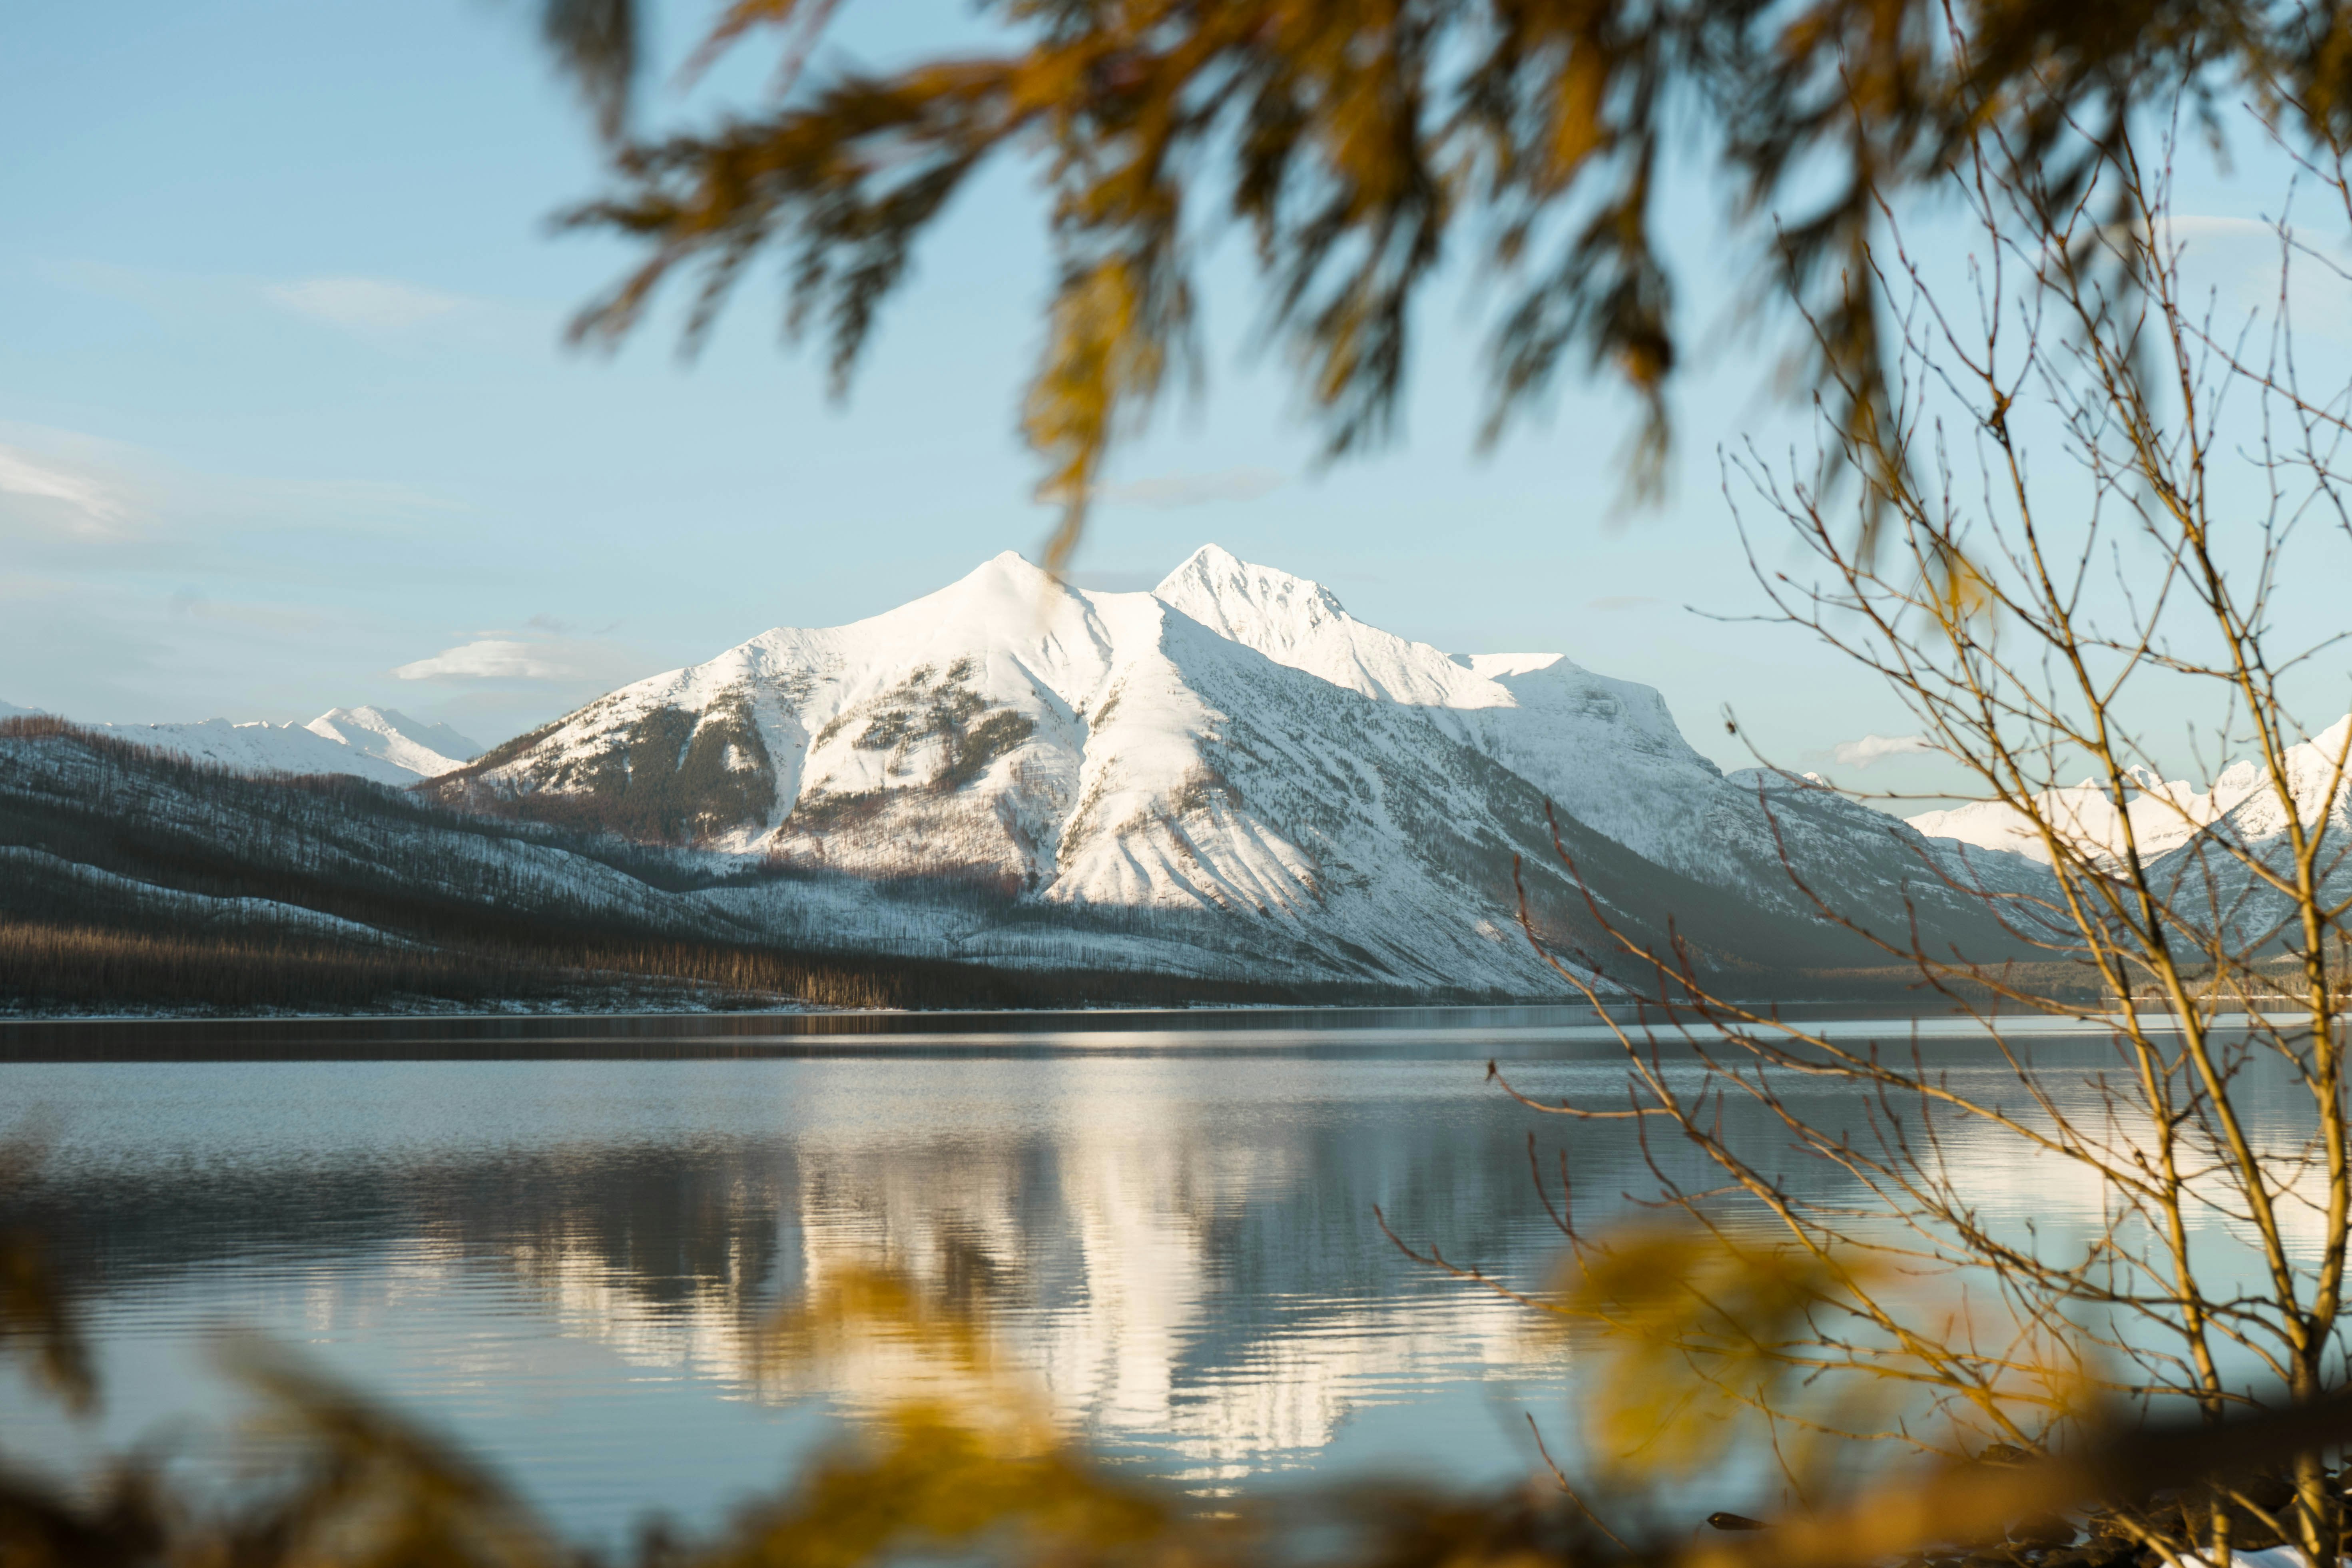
x: 260, y: 747
x: 389, y: 735
x: 2164, y: 813
x: 10, y: 710
x: 1233, y: 761
x: 2206, y: 877
x: 380, y: 744
x: 2250, y: 812
x: 1605, y: 750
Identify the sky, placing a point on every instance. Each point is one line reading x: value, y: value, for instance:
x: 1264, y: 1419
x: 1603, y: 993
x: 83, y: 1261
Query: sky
x: 287, y: 420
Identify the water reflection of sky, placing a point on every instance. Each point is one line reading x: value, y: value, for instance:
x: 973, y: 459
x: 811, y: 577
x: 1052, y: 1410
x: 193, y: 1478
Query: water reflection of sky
x: 568, y: 1262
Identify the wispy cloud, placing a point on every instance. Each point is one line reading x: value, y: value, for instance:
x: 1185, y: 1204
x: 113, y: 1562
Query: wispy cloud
x: 364, y: 304
x: 189, y: 604
x: 548, y: 626
x: 2204, y: 225
x: 1873, y: 749
x: 100, y: 508
x: 1170, y: 491
x: 67, y: 498
x: 492, y: 658
x: 387, y: 313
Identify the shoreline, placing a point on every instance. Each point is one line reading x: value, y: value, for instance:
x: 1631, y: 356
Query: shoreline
x: 1468, y: 1032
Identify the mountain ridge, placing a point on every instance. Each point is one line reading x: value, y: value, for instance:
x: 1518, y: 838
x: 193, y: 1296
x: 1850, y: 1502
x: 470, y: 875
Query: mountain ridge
x: 2165, y: 815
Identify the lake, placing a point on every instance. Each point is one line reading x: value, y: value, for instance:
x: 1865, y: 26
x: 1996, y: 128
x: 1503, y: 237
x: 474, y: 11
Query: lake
x: 558, y: 1238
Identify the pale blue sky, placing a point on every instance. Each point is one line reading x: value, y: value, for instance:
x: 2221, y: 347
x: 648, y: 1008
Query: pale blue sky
x: 284, y: 410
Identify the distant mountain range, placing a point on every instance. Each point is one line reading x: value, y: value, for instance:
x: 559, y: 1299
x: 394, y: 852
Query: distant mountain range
x: 1229, y: 777
x: 380, y: 743
x: 2164, y: 813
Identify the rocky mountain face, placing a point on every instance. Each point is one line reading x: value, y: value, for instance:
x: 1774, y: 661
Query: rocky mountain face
x: 1228, y: 769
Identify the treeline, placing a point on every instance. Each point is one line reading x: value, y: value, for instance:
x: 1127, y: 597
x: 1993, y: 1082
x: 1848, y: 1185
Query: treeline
x: 55, y: 966
x: 45, y: 965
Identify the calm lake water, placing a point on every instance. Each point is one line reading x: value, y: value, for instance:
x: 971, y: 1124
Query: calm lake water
x: 558, y: 1238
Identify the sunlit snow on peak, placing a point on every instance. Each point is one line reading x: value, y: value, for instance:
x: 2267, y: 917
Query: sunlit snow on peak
x: 424, y: 750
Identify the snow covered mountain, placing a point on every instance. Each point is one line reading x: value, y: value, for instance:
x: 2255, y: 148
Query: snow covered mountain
x: 1605, y: 750
x: 1230, y: 761
x: 389, y: 735
x: 379, y: 744
x: 2165, y: 813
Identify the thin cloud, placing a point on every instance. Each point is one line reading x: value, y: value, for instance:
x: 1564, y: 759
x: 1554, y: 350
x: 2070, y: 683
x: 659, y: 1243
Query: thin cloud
x: 70, y: 495
x: 2201, y: 225
x: 1170, y: 491
x: 385, y: 311
x: 381, y: 497
x: 21, y: 475
x: 1873, y: 749
x: 491, y: 658
x: 188, y: 604
x: 364, y: 304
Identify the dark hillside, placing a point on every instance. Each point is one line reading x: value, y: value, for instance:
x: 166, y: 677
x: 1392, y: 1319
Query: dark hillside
x: 132, y: 877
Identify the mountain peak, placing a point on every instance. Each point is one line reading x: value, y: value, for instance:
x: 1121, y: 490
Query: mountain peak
x: 1004, y: 591
x: 1246, y: 602
x: 391, y: 736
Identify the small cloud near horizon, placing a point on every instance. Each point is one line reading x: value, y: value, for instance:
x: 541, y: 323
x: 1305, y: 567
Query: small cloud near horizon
x: 490, y: 658
x: 1171, y: 491
x: 362, y: 304
x: 1873, y: 749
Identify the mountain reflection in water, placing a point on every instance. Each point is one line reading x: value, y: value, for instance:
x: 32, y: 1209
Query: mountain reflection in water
x: 569, y: 1263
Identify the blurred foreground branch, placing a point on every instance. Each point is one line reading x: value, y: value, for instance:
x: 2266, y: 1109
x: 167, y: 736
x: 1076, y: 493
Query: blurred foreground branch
x: 1361, y: 143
